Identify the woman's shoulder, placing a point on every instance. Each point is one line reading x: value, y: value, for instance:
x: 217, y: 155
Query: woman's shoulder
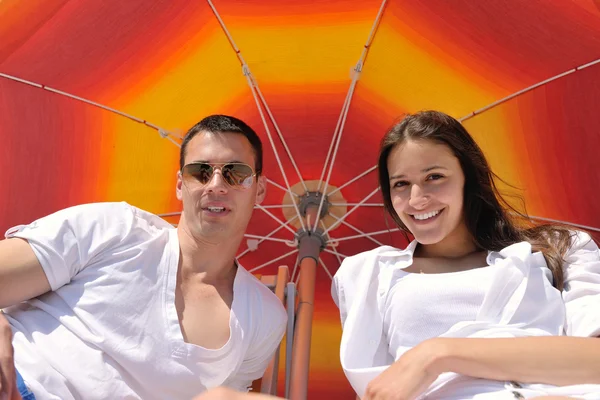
x: 581, y: 238
x: 570, y: 241
x: 581, y: 243
x: 367, y: 260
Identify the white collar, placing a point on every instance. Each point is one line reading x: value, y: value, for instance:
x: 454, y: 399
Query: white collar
x: 519, y: 250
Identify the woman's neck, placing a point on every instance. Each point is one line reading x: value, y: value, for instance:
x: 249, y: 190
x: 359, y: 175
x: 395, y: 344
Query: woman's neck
x: 457, y: 245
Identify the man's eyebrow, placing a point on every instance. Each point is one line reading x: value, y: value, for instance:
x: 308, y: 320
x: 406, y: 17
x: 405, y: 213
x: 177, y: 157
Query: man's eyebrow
x: 209, y: 162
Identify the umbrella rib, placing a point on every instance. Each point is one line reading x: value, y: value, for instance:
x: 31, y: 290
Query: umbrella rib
x: 287, y: 184
x: 354, y: 204
x: 335, y: 252
x: 286, y: 241
x: 343, y: 217
x: 337, y: 138
x: 276, y: 206
x: 238, y: 53
x: 285, y: 225
x: 296, y: 265
x: 162, y: 132
x: 174, y: 214
x: 373, y: 168
x: 325, y: 268
x: 169, y: 214
x: 330, y: 242
x: 528, y: 89
x: 273, y: 260
x: 356, y: 230
x: 257, y: 94
x: 277, y: 185
x: 367, y: 234
x: 591, y: 228
x: 337, y: 127
x: 337, y: 134
x: 276, y: 126
x: 243, y: 253
x: 337, y: 255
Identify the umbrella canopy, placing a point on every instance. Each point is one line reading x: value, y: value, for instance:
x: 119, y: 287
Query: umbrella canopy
x: 95, y: 96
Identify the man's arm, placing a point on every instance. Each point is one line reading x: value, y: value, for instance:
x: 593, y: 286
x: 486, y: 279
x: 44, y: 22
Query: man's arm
x: 21, y: 274
x: 223, y: 393
x: 8, y: 375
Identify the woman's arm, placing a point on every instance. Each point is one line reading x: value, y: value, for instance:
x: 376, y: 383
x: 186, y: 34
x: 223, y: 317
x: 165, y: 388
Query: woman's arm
x: 558, y: 360
x: 554, y: 360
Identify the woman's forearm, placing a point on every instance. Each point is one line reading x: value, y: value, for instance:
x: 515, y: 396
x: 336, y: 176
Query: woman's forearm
x: 555, y: 360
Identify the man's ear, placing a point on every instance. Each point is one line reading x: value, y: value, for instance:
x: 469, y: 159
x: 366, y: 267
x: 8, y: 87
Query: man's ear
x: 261, y: 190
x: 179, y: 186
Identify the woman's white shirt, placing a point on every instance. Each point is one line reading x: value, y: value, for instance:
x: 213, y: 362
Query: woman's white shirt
x: 422, y: 306
x: 513, y: 286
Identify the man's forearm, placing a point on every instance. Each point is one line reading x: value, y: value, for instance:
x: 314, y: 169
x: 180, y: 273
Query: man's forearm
x: 555, y: 360
x: 222, y: 393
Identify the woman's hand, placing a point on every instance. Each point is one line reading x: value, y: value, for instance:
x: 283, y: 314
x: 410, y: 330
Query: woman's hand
x: 409, y: 376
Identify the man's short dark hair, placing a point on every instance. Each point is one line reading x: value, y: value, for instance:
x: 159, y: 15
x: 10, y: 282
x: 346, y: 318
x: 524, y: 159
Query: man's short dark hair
x: 217, y: 124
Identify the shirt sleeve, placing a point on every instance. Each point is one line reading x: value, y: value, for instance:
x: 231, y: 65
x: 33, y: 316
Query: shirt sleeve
x: 582, y: 287
x: 337, y: 293
x: 267, y: 338
x: 68, y: 240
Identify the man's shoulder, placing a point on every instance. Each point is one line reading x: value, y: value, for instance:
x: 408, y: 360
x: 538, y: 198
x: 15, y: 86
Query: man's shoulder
x: 96, y: 208
x: 265, y: 299
x: 108, y: 221
x: 116, y: 212
x: 256, y: 287
x: 82, y: 217
x: 91, y: 212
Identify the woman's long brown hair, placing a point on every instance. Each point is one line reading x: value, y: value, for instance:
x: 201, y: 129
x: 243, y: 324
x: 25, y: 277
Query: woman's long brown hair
x: 493, y: 223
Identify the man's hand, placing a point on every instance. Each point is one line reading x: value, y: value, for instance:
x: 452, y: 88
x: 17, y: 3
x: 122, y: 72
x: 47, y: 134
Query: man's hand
x: 8, y: 374
x: 222, y: 393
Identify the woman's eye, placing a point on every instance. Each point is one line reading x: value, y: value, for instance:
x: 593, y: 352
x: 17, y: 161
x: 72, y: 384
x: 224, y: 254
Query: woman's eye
x: 400, y: 184
x: 434, y: 177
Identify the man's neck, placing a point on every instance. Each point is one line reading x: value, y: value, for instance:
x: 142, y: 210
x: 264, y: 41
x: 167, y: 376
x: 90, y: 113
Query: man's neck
x: 212, y: 261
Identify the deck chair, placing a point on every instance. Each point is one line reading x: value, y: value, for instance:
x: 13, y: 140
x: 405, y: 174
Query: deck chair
x: 298, y: 301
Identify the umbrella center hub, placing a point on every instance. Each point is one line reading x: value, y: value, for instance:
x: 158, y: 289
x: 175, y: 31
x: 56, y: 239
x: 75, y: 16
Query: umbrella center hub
x: 310, y: 243
x: 307, y: 197
x: 314, y: 199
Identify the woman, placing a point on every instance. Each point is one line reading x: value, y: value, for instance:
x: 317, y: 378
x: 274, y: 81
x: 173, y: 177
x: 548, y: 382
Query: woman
x: 478, y: 306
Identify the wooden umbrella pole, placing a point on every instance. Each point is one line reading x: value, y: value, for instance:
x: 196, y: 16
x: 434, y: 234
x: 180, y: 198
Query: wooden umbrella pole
x: 309, y: 249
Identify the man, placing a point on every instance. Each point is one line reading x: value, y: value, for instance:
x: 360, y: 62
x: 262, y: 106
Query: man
x: 109, y: 301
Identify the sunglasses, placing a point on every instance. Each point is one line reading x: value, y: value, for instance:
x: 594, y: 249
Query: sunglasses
x: 238, y: 175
